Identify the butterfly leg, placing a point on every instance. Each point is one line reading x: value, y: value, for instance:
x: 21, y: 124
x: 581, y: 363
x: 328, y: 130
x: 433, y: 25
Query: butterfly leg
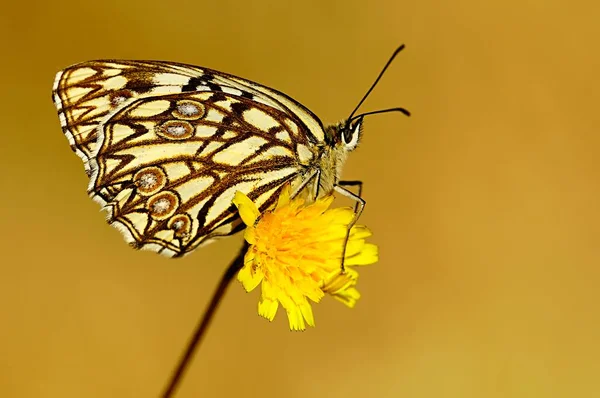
x: 313, y: 175
x: 354, y: 183
x: 358, y: 208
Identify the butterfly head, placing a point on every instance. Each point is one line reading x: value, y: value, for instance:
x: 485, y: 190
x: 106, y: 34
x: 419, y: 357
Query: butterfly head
x: 350, y: 133
x: 345, y: 135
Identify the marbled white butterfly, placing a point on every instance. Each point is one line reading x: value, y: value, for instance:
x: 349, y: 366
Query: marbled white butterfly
x: 167, y: 145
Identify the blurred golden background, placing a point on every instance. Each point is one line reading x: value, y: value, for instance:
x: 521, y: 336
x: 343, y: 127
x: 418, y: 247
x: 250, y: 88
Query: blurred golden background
x: 484, y: 204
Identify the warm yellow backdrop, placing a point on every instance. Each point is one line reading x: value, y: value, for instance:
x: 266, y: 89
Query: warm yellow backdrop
x: 484, y: 204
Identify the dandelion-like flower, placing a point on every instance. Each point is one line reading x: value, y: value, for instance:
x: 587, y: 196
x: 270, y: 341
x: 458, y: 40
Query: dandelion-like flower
x: 295, y: 253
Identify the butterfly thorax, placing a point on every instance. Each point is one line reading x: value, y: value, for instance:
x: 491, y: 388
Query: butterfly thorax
x: 332, y: 159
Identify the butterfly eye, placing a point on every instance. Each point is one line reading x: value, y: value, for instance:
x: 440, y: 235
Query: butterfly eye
x: 351, y: 134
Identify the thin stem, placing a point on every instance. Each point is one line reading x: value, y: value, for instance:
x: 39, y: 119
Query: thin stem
x: 195, y: 340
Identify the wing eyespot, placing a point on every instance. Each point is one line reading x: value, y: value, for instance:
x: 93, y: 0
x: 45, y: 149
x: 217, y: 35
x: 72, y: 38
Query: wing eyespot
x: 162, y: 205
x: 175, y: 130
x: 150, y: 180
x: 181, y: 224
x: 189, y: 110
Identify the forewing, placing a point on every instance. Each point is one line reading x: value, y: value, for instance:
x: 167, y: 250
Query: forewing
x: 167, y: 166
x: 86, y: 94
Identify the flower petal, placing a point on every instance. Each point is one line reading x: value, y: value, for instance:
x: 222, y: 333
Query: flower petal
x: 247, y: 209
x: 295, y: 319
x: 349, y: 296
x: 368, y: 255
x: 250, y: 279
x: 284, y: 197
x: 354, y: 247
x: 340, y: 215
x: 250, y: 235
x: 267, y: 308
x: 332, y: 232
x: 360, y: 232
x: 307, y: 314
x: 319, y: 207
x: 338, y: 281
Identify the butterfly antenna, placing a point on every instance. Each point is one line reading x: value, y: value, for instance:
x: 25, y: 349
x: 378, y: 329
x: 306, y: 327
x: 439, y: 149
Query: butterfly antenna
x: 377, y: 81
x: 402, y: 110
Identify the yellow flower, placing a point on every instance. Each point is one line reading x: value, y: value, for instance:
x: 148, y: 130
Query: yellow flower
x: 296, y: 253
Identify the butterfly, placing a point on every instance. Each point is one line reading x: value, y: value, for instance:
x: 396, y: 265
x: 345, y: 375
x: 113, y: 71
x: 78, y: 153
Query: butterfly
x: 166, y: 146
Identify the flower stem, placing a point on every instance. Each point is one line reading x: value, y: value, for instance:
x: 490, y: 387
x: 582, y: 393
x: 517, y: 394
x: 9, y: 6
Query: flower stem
x: 196, y: 338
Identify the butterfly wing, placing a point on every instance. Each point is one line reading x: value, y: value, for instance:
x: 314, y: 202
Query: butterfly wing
x: 168, y: 145
x: 86, y: 93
